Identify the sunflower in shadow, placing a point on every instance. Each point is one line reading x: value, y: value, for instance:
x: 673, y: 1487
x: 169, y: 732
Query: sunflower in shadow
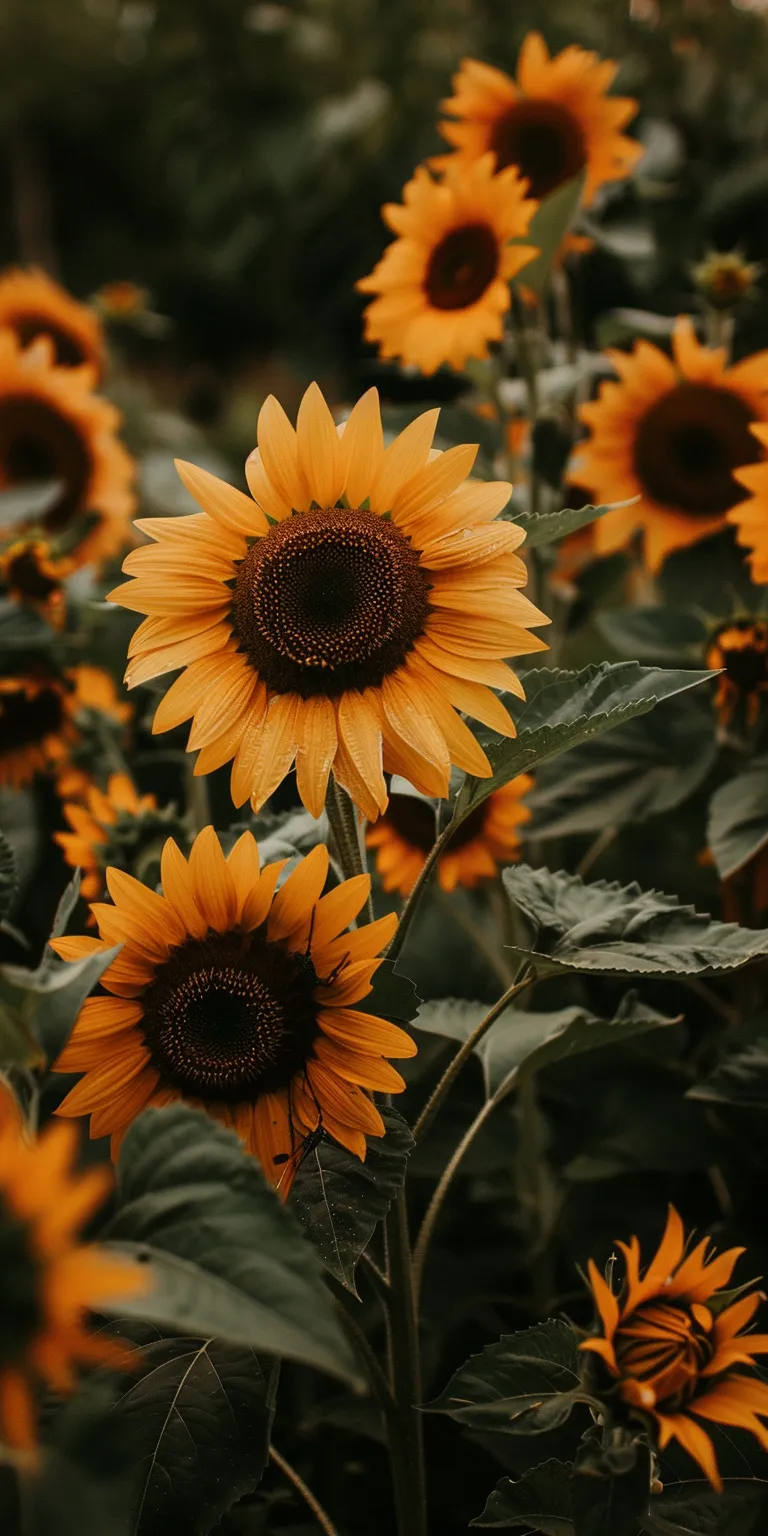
x: 342, y: 618
x: 44, y: 714
x: 33, y: 305
x: 241, y: 999
x: 487, y: 838
x: 54, y: 428
x: 553, y: 122
x: 442, y: 287
x: 739, y: 651
x: 34, y: 576
x: 48, y: 1279
x: 672, y: 1348
x: 671, y: 432
x: 111, y: 827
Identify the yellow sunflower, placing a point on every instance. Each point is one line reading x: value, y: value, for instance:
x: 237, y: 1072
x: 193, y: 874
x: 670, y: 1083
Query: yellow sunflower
x: 552, y: 122
x: 341, y: 618
x: 108, y: 822
x: 238, y: 1000
x: 404, y: 835
x: 673, y: 1350
x: 42, y: 714
x: 32, y: 305
x: 48, y: 1280
x: 442, y: 287
x: 671, y: 431
x: 53, y: 427
x: 739, y: 651
x: 751, y: 515
x: 34, y: 576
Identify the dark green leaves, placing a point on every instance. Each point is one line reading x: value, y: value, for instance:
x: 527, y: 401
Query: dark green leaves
x: 548, y: 527
x: 522, y: 1385
x: 549, y: 224
x: 538, y: 1501
x: 738, y: 818
x: 609, y: 929
x: 340, y: 1201
x: 742, y: 1075
x: 695, y: 1509
x: 225, y: 1257
x: 38, y: 1008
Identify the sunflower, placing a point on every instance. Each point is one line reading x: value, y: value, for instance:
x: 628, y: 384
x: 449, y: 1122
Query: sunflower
x: 241, y: 1001
x: 43, y: 714
x: 342, y: 617
x: 751, y: 515
x: 53, y: 427
x: 442, y: 287
x: 108, y: 826
x: 488, y: 837
x: 739, y: 651
x: 671, y: 432
x: 47, y: 1279
x: 553, y: 122
x: 668, y: 1345
x: 34, y: 576
x: 32, y: 305
x: 724, y: 278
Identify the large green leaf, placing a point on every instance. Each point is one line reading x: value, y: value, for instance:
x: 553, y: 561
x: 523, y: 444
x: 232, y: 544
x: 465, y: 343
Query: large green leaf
x: 518, y: 1384
x: 540, y: 1500
x: 738, y: 818
x: 564, y: 709
x: 741, y: 1077
x: 610, y: 929
x: 551, y: 221
x: 340, y: 1201
x: 8, y: 876
x: 225, y: 1256
x: 606, y: 1503
x: 195, y: 1421
x: 695, y: 1509
x: 43, y: 1005
x: 660, y: 633
x: 548, y: 527
x: 644, y: 768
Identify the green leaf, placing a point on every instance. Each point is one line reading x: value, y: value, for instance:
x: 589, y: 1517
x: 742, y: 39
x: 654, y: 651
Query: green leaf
x: 611, y: 1505
x: 695, y: 1509
x: 339, y: 1201
x: 738, y: 818
x: 524, y: 1371
x: 21, y: 629
x: 45, y: 1003
x: 660, y: 633
x: 8, y: 876
x: 564, y: 709
x: 741, y: 1077
x: 548, y: 527
x: 284, y: 834
x: 540, y: 1500
x: 225, y: 1256
x: 644, y: 768
x: 195, y: 1424
x: 551, y: 221
x: 67, y: 903
x: 609, y: 929
x: 27, y: 503
x: 394, y: 995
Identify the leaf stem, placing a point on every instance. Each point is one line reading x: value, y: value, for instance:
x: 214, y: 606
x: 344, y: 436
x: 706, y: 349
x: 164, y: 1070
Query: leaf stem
x: 347, y: 834
x: 446, y: 1179
x: 323, y: 1520
x: 377, y: 1277
x: 485, y: 945
x: 405, y: 1430
x: 463, y: 1054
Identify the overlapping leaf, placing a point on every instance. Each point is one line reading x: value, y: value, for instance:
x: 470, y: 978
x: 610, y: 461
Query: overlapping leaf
x: 531, y: 1370
x: 549, y: 224
x: 540, y: 1500
x: 738, y: 818
x: 548, y: 527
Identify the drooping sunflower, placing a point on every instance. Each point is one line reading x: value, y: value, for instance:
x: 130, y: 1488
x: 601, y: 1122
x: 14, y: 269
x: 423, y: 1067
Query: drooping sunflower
x: 33, y: 305
x: 673, y: 1350
x: 241, y: 1001
x: 406, y: 832
x: 750, y: 516
x: 554, y: 121
x: 53, y: 427
x: 442, y: 287
x: 341, y: 618
x: 48, y: 1280
x: 110, y: 823
x: 34, y: 576
x: 42, y: 715
x: 739, y: 651
x: 671, y: 431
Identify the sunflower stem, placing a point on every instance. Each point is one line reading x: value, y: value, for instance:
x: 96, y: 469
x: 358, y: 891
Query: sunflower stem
x: 412, y: 904
x: 324, y: 1521
x: 347, y: 835
x: 405, y: 1429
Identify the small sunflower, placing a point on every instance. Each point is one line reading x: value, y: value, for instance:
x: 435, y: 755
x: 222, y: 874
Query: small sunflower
x: 238, y: 1000
x: 48, y: 1280
x: 672, y: 431
x: 724, y: 278
x: 53, y: 427
x: 111, y: 826
x: 552, y: 122
x: 739, y: 650
x: 442, y: 287
x: 672, y: 1346
x: 44, y: 713
x: 488, y: 837
x: 341, y: 618
x: 35, y: 576
x: 751, y: 515
x: 33, y: 305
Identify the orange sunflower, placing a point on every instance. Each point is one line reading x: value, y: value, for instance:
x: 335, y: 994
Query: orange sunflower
x: 739, y: 651
x: 43, y: 713
x: 32, y: 305
x: 108, y: 824
x: 341, y: 618
x: 751, y: 515
x: 406, y: 832
x: 34, y: 576
x: 672, y: 432
x: 241, y: 1001
x: 442, y: 287
x: 672, y: 1348
x: 47, y: 1279
x: 552, y: 122
x: 53, y: 427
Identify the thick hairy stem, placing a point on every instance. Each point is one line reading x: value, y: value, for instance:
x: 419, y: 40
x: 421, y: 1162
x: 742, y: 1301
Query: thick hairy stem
x: 347, y: 834
x: 455, y: 1065
x: 405, y: 1429
x: 324, y: 1521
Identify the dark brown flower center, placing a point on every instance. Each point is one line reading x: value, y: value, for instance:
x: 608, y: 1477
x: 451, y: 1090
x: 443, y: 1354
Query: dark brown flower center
x: 68, y: 350
x: 462, y: 265
x: 687, y: 446
x: 742, y: 649
x: 230, y: 1016
x: 27, y: 718
x: 37, y: 443
x: 664, y: 1346
x: 25, y: 577
x: 544, y: 140
x: 414, y: 820
x: 329, y: 600
x: 20, y: 1308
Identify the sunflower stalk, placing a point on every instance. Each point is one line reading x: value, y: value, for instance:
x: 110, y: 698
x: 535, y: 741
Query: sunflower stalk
x: 347, y: 835
x: 323, y: 1520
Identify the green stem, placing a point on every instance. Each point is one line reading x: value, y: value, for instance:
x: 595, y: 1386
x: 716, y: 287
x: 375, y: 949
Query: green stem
x: 198, y: 804
x: 347, y: 835
x: 324, y: 1521
x: 412, y: 904
x: 377, y: 1381
x: 490, y: 951
x: 446, y: 1179
x: 405, y: 1429
x: 454, y: 1067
